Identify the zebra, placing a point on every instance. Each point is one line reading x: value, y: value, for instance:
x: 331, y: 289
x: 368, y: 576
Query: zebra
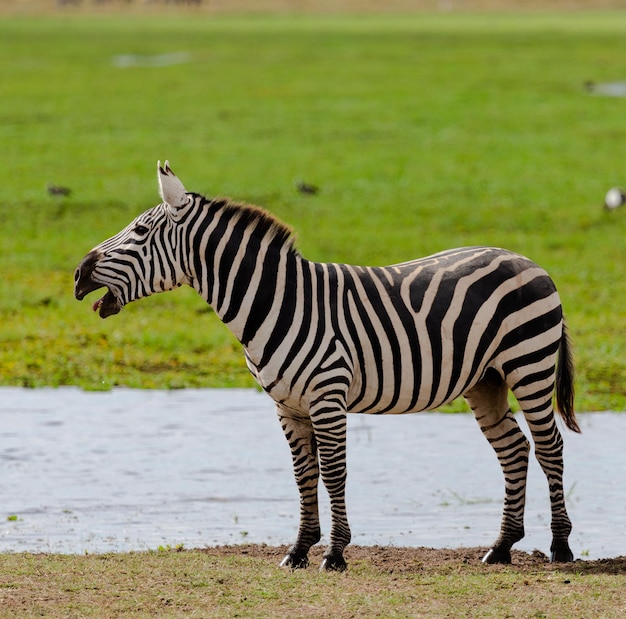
x: 325, y: 339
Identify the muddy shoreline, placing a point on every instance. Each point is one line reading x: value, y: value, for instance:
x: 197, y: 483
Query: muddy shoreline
x: 419, y: 560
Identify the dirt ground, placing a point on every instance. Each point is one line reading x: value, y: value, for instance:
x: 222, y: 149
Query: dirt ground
x: 412, y: 560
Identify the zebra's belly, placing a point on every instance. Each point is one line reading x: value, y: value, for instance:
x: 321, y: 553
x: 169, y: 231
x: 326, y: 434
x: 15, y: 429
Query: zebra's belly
x: 375, y: 391
x: 385, y: 387
x: 394, y: 401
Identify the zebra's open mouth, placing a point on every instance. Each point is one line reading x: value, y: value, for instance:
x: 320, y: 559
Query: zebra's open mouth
x: 107, y: 305
x: 85, y: 282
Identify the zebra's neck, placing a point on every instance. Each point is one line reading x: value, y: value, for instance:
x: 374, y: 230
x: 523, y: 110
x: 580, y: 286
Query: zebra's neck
x: 249, y: 300
x: 241, y: 260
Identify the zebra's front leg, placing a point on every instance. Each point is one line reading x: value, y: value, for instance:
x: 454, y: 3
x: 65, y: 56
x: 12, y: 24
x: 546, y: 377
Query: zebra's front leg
x: 329, y: 422
x: 489, y: 402
x: 298, y: 431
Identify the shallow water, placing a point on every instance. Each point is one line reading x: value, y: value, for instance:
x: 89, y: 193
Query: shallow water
x: 132, y: 470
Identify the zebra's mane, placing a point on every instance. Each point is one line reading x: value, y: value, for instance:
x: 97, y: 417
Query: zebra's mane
x: 264, y: 225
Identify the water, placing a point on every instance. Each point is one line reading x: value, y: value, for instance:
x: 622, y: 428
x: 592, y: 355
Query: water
x: 607, y: 89
x: 133, y: 470
x: 123, y: 61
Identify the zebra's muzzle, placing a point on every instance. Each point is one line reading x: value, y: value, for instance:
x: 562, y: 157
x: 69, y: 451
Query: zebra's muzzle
x: 84, y: 283
x: 107, y: 305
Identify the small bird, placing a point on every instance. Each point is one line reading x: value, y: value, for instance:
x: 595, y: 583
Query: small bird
x: 614, y: 198
x: 57, y: 190
x: 306, y: 188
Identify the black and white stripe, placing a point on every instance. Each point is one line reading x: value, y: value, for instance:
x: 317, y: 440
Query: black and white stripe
x: 327, y: 339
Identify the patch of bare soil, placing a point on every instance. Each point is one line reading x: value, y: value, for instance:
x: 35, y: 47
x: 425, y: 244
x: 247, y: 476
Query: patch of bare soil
x: 415, y: 560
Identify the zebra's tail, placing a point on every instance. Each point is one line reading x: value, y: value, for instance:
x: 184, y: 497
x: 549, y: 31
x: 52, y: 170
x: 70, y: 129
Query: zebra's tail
x: 565, y: 382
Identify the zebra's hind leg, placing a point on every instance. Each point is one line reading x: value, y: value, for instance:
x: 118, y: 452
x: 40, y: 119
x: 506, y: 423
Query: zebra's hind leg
x: 298, y: 431
x: 549, y: 453
x: 489, y: 401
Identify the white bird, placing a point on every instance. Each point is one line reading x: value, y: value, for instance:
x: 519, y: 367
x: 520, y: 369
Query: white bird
x: 614, y: 198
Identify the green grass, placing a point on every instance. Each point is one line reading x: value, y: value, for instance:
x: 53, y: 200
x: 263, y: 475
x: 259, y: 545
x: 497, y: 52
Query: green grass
x: 208, y: 584
x: 423, y: 132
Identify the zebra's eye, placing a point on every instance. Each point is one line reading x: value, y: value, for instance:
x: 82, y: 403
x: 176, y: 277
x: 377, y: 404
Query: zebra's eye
x: 141, y: 230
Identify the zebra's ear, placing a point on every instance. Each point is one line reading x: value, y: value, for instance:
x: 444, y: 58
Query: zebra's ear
x: 171, y: 189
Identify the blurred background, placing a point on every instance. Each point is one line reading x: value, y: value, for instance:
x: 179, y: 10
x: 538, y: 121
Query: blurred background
x: 379, y: 131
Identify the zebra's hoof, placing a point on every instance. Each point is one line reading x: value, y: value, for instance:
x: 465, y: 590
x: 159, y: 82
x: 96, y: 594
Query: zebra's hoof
x: 334, y: 562
x: 497, y: 555
x: 561, y: 553
x: 295, y: 561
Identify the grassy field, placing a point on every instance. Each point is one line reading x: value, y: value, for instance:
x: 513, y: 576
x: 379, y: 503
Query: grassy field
x: 423, y: 132
x: 234, y: 582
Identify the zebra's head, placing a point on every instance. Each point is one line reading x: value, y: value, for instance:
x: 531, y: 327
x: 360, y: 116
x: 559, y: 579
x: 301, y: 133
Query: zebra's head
x: 141, y: 259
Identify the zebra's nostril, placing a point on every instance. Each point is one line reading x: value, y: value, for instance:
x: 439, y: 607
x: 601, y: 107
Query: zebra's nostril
x: 76, y: 275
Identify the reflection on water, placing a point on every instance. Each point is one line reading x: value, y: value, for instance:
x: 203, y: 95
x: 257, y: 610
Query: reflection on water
x: 130, y: 469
